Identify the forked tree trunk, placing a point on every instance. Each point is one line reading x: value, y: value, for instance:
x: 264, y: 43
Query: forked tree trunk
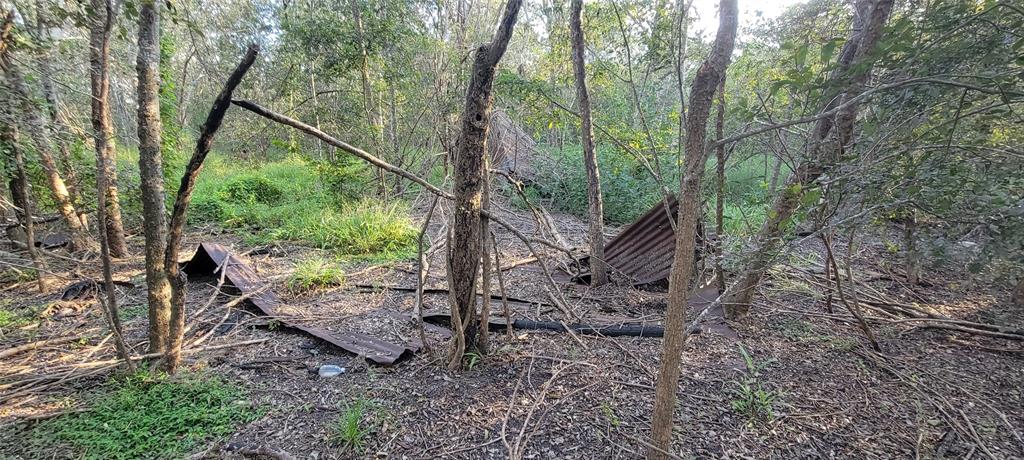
x: 869, y: 21
x: 464, y: 246
x: 154, y: 211
x: 102, y: 21
x: 370, y: 107
x: 598, y: 267
x: 176, y: 227
x: 702, y: 93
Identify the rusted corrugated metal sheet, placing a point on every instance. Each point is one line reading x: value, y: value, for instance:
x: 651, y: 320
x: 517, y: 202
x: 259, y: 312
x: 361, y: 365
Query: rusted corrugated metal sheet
x: 644, y: 250
x: 210, y: 256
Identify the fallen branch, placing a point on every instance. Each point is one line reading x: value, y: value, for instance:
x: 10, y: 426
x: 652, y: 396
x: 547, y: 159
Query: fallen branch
x: 34, y: 345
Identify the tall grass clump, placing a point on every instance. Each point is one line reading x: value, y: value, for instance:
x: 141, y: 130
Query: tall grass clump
x: 296, y: 200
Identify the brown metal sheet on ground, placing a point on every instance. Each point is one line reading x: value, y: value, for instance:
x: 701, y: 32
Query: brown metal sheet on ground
x: 644, y: 250
x: 210, y: 256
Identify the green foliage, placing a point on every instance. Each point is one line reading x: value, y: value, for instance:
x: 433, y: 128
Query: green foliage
x: 251, y: 189
x: 144, y: 416
x: 288, y: 201
x: 750, y: 398
x: 627, y: 189
x: 352, y: 427
x: 315, y: 273
x: 13, y: 320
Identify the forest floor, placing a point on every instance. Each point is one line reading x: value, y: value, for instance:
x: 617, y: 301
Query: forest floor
x: 795, y: 381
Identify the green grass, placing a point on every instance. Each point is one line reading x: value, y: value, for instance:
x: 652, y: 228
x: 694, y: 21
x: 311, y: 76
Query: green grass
x: 295, y: 200
x: 141, y: 416
x: 315, y: 273
x: 12, y: 319
x: 352, y: 427
x: 751, y: 398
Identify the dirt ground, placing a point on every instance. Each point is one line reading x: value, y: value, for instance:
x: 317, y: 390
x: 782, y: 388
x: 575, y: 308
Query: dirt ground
x: 928, y: 393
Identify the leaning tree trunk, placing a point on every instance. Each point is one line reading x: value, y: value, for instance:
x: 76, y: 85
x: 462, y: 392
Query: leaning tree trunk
x: 598, y: 267
x: 37, y: 130
x: 176, y: 227
x: 58, y: 123
x: 102, y: 21
x: 22, y: 199
x: 154, y: 211
x: 702, y: 93
x: 464, y: 238
x: 869, y: 21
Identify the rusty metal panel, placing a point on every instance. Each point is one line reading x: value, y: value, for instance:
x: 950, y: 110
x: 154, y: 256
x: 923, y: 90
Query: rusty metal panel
x: 211, y: 256
x: 644, y: 250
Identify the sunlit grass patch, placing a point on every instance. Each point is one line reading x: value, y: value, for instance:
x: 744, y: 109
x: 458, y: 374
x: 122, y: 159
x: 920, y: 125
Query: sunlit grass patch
x: 143, y: 416
x: 315, y: 273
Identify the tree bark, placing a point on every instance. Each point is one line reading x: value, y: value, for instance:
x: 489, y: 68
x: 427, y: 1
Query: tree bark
x: 1018, y: 293
x: 154, y: 211
x: 720, y: 187
x: 869, y: 22
x: 101, y: 22
x: 38, y: 132
x: 370, y: 108
x: 464, y: 248
x: 702, y: 93
x: 22, y: 199
x: 176, y: 227
x: 912, y: 257
x: 59, y: 126
x: 598, y: 267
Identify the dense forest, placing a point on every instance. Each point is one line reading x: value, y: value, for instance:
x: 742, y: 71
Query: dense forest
x: 511, y: 229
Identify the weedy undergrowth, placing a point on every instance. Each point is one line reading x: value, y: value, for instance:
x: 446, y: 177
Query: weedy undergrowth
x: 146, y: 416
x: 751, y: 399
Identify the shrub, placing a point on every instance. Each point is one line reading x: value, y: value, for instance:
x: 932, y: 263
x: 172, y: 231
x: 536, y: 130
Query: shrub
x: 250, y: 189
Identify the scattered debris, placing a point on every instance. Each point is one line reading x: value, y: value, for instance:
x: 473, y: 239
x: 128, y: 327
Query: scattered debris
x: 330, y: 370
x: 210, y: 257
x: 87, y: 288
x: 53, y: 241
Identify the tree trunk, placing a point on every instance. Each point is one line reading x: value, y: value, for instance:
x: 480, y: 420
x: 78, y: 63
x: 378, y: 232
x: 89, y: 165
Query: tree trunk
x: 869, y: 21
x: 38, y: 132
x: 720, y: 187
x: 1018, y: 293
x: 464, y: 240
x: 702, y: 92
x: 58, y: 123
x: 912, y: 257
x: 154, y: 211
x: 370, y: 108
x: 598, y: 268
x: 176, y: 227
x: 102, y: 21
x: 22, y: 199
